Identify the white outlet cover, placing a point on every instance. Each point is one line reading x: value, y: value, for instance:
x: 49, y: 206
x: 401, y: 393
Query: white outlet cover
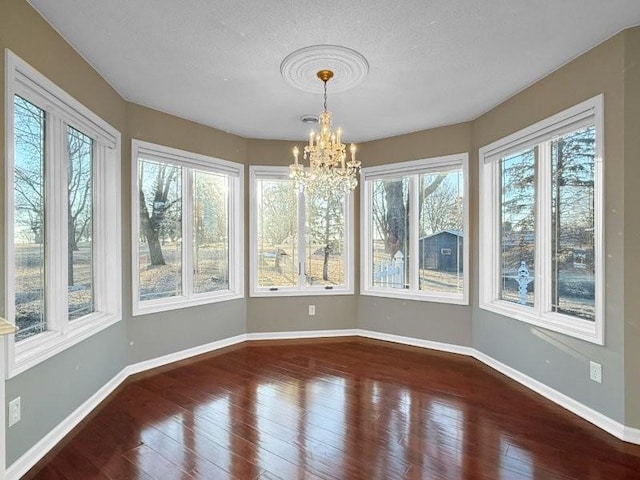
x: 595, y: 372
x: 14, y: 411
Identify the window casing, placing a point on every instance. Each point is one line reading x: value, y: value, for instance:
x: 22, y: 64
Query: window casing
x: 62, y: 201
x: 187, y: 229
x: 299, y: 245
x: 541, y: 223
x: 414, y: 230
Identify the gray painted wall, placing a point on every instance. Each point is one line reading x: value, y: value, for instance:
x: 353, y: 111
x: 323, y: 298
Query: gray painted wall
x: 554, y: 359
x: 632, y: 227
x: 424, y: 320
x: 53, y: 389
x: 159, y: 334
x: 279, y: 314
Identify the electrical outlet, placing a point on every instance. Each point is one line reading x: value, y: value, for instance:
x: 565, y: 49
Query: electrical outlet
x: 595, y: 372
x: 312, y: 309
x: 14, y: 411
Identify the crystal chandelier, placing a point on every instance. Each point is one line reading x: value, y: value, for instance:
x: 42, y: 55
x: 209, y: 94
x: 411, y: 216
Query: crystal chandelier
x: 328, y: 171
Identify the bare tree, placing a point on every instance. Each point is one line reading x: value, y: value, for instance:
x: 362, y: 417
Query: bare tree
x: 278, y: 223
x: 164, y: 206
x: 326, y: 225
x: 391, y: 209
x: 440, y: 209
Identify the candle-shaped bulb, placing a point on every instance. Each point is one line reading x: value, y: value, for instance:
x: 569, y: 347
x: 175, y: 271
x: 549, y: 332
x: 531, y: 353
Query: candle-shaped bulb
x: 352, y: 149
x: 295, y: 154
x: 311, y: 138
x: 339, y: 135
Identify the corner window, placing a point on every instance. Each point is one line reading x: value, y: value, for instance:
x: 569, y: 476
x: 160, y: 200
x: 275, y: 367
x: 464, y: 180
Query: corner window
x: 414, y: 223
x: 62, y: 211
x: 301, y: 244
x: 541, y: 223
x: 187, y: 229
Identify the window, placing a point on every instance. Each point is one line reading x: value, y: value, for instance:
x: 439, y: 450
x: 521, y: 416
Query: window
x: 541, y: 223
x: 62, y: 211
x: 414, y: 223
x: 300, y: 244
x: 187, y: 229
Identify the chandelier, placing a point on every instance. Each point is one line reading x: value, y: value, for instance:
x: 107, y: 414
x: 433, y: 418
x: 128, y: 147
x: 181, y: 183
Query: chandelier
x: 329, y: 170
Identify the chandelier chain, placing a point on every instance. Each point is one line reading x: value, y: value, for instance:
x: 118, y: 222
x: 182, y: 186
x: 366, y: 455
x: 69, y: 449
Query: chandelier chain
x: 325, y: 95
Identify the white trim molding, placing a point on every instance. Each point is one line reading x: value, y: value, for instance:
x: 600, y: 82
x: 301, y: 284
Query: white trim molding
x: 352, y: 332
x: 39, y: 450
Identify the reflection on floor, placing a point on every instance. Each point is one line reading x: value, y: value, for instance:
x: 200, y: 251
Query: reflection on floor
x: 339, y: 409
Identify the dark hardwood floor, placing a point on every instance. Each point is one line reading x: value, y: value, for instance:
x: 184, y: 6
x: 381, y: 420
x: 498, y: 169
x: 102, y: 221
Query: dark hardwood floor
x: 343, y: 409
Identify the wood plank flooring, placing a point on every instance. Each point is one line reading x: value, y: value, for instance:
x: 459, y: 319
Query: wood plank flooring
x: 343, y: 409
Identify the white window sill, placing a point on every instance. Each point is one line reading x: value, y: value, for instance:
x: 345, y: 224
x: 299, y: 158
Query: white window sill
x: 175, y: 303
x: 565, y: 324
x: 409, y: 295
x: 295, y: 292
x: 32, y: 351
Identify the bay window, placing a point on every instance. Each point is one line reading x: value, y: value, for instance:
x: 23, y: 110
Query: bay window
x: 62, y: 211
x: 541, y: 223
x: 414, y: 222
x: 301, y: 244
x: 187, y: 228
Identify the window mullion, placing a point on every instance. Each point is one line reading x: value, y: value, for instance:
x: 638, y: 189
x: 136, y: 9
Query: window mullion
x: 188, y: 267
x: 56, y: 220
x: 302, y: 231
x: 496, y: 219
x: 542, y: 281
x: 99, y: 229
x: 365, y: 234
x: 414, y: 234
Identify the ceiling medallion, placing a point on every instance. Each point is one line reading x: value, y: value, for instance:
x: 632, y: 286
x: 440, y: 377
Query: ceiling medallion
x: 299, y: 69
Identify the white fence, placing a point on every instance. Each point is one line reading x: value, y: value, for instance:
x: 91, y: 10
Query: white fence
x: 390, y: 273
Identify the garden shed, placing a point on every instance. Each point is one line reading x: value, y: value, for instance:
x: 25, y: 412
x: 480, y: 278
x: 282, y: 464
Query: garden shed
x: 441, y: 251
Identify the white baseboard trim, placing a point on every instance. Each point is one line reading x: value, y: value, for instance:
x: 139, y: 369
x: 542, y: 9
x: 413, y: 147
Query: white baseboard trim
x: 631, y: 435
x: 40, y: 449
x: 183, y: 354
x: 417, y: 342
x: 598, y: 419
x: 354, y: 332
x: 32, y: 456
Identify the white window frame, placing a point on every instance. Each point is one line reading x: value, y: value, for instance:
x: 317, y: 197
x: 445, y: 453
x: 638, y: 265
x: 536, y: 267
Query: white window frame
x: 589, y: 112
x: 62, y: 110
x: 189, y: 162
x: 413, y: 169
x: 282, y: 173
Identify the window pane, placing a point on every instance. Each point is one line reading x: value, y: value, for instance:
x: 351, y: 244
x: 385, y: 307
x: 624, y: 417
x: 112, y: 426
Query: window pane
x: 211, y: 232
x: 441, y: 232
x: 573, y: 173
x: 277, y: 219
x: 29, y: 218
x: 324, y: 262
x: 517, y: 226
x: 390, y: 232
x: 80, y: 224
x: 160, y: 243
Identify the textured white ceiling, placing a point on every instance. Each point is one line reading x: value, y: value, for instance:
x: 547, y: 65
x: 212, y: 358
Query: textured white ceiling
x: 432, y: 62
